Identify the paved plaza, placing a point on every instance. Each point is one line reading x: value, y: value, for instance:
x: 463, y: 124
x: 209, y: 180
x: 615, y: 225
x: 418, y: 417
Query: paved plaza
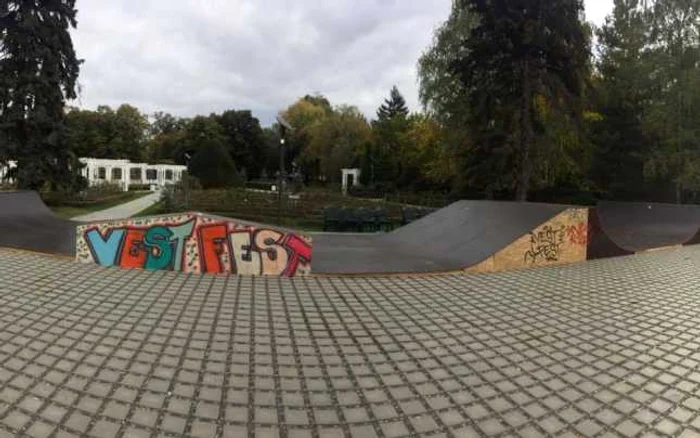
x: 606, y: 348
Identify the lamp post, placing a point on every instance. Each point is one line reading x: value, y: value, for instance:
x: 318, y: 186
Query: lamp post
x: 284, y: 127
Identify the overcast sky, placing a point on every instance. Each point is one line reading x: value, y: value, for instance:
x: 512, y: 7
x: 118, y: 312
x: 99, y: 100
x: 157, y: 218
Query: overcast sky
x: 190, y: 57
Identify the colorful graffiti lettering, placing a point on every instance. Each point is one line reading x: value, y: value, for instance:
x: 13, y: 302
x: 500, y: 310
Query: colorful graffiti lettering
x: 196, y: 244
x: 545, y: 244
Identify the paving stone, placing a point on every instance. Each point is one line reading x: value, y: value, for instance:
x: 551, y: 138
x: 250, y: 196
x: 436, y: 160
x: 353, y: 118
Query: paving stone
x: 610, y: 349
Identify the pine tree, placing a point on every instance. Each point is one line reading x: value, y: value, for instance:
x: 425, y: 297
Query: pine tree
x: 393, y: 107
x: 388, y: 132
x: 38, y: 72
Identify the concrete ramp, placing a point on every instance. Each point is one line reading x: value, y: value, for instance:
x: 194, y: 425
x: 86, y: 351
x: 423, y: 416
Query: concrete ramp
x: 27, y: 223
x: 475, y: 235
x: 194, y: 243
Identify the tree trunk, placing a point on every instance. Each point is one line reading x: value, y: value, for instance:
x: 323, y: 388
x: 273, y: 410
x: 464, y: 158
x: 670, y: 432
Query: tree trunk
x: 526, y: 135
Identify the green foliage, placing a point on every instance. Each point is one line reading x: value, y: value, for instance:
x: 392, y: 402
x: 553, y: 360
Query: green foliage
x: 245, y: 141
x: 648, y: 98
x: 38, y: 72
x: 389, y: 132
x: 211, y: 164
x: 303, y: 115
x: 524, y: 67
x: 106, y: 133
x: 337, y: 140
x: 441, y: 91
x: 393, y: 108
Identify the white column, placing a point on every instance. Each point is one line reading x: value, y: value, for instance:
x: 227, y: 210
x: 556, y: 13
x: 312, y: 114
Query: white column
x: 126, y: 176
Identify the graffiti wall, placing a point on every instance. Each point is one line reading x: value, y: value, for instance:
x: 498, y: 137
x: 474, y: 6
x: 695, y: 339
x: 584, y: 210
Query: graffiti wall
x: 196, y: 244
x: 563, y: 239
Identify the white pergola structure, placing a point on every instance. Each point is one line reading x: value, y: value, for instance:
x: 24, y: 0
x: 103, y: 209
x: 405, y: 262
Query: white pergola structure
x: 125, y: 173
x: 351, y: 178
x: 4, y: 170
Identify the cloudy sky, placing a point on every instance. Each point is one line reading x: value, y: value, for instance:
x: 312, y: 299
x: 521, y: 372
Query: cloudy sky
x: 191, y: 57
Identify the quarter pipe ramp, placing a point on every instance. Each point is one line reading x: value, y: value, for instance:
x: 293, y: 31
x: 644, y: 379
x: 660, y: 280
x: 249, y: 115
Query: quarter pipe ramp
x: 27, y: 223
x: 628, y: 227
x: 476, y: 235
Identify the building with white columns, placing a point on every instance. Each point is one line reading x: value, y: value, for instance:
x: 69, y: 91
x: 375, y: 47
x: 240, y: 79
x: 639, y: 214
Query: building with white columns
x: 125, y: 173
x: 121, y: 172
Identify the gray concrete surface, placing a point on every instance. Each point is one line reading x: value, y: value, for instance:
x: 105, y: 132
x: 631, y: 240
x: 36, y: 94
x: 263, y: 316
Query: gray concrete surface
x: 122, y: 211
x: 606, y: 348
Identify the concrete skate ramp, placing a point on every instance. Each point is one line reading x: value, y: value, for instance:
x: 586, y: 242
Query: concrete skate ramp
x: 636, y: 227
x: 27, y: 223
x: 456, y: 237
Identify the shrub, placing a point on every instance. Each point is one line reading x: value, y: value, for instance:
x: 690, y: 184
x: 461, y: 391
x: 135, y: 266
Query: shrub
x: 139, y: 187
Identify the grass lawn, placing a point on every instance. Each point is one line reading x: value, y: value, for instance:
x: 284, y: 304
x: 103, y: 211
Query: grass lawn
x: 68, y: 212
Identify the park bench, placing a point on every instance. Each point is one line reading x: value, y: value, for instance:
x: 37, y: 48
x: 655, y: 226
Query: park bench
x: 356, y: 219
x: 412, y: 214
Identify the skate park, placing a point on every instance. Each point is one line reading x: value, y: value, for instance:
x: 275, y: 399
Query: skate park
x: 393, y: 219
x: 466, y: 236
x: 557, y: 322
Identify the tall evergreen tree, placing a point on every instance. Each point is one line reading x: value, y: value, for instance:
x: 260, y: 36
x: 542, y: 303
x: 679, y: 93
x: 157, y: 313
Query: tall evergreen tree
x: 38, y: 72
x: 393, y: 107
x: 624, y: 89
x: 388, y: 132
x: 525, y: 62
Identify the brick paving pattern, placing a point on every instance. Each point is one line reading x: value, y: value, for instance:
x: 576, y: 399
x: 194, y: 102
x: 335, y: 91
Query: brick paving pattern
x: 608, y: 348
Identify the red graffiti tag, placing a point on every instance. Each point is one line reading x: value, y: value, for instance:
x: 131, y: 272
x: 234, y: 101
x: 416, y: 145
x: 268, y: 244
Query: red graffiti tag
x: 578, y: 234
x: 134, y: 253
x: 299, y: 251
x: 213, y: 244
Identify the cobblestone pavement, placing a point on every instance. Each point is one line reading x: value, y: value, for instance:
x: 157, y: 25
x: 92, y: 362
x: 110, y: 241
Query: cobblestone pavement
x: 608, y: 348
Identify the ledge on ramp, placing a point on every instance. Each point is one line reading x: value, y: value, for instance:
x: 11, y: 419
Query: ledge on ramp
x: 194, y: 243
x: 27, y: 223
x: 479, y: 236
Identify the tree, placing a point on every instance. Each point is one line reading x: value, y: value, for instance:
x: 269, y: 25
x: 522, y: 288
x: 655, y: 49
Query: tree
x: 394, y: 107
x: 165, y: 124
x: 38, y: 72
x: 427, y: 160
x: 303, y: 115
x: 244, y: 141
x: 129, y: 133
x: 211, y: 163
x: 106, y: 133
x: 672, y: 119
x: 388, y: 132
x: 337, y: 141
x: 441, y: 90
x: 167, y: 135
x: 86, y: 136
x: 522, y: 59
x: 624, y: 90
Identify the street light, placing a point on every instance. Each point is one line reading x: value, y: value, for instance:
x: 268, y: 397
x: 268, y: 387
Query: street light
x: 284, y: 127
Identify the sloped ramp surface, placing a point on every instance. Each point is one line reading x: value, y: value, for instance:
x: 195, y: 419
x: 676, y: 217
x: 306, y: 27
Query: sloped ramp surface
x: 456, y: 237
x: 27, y: 223
x: 637, y: 227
